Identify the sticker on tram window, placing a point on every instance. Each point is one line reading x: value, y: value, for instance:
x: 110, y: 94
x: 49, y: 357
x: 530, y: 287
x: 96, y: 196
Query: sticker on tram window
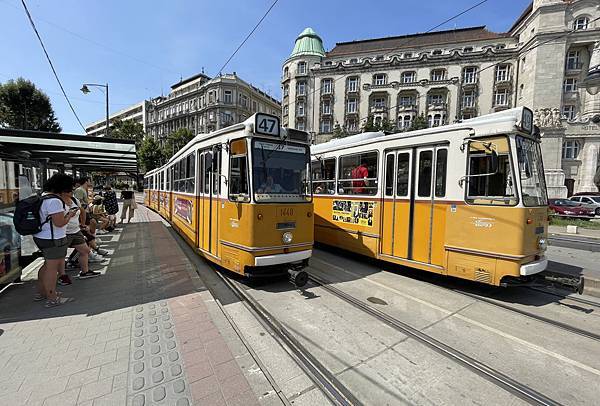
x: 269, y: 146
x: 183, y: 209
x: 266, y: 124
x: 354, y: 212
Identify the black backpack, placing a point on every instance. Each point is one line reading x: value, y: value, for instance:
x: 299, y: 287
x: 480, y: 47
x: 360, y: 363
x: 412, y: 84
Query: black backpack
x: 27, y: 219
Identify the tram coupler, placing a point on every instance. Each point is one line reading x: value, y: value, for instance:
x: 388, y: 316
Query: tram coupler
x: 297, y: 277
x: 573, y: 283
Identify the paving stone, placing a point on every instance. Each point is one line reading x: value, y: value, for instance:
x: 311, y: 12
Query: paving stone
x: 103, y: 358
x: 83, y: 377
x: 243, y: 399
x: 213, y: 399
x: 204, y: 387
x: 96, y: 389
x: 112, y: 399
x: 234, y: 386
x: 114, y: 368
x: 67, y: 398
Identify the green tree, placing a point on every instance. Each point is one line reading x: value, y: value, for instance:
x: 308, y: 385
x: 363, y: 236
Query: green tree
x: 419, y: 123
x: 127, y: 130
x: 369, y: 125
x: 387, y: 125
x: 150, y: 155
x: 25, y: 107
x: 176, y: 140
x: 339, y: 131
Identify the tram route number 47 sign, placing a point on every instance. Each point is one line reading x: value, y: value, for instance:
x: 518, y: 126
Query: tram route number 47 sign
x: 353, y: 212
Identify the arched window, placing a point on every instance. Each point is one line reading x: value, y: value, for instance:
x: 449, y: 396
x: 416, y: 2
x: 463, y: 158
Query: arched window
x: 570, y: 149
x: 581, y: 23
x: 286, y: 72
x: 302, y: 68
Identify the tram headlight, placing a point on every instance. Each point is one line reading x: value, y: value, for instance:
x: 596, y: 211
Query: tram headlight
x: 542, y: 244
x: 287, y: 237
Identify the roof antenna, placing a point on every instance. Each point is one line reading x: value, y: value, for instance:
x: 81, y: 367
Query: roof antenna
x: 203, y: 70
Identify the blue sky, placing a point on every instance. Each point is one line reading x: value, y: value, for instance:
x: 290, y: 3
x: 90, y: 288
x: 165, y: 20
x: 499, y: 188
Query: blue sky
x: 142, y: 47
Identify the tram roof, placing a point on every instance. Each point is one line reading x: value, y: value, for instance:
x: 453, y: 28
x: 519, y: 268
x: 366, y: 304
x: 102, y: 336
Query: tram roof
x: 79, y: 151
x: 489, y: 124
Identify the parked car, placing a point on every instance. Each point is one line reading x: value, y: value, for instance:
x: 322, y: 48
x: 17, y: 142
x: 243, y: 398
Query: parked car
x: 567, y: 208
x: 591, y: 201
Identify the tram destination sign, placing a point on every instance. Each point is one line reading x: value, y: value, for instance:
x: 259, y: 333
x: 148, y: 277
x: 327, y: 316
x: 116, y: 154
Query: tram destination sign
x: 266, y: 124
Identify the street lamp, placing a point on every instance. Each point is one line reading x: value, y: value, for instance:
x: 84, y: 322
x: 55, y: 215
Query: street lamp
x: 86, y: 90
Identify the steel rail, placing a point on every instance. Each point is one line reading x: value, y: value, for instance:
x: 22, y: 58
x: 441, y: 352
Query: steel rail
x: 518, y: 389
x: 321, y: 377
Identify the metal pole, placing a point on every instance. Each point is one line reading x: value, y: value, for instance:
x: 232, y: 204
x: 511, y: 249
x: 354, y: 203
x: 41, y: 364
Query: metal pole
x: 107, y: 122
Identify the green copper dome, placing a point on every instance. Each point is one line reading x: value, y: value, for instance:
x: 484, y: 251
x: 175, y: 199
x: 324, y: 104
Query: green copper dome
x: 308, y: 43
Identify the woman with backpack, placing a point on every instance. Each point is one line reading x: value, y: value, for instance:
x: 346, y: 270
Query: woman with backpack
x: 52, y: 239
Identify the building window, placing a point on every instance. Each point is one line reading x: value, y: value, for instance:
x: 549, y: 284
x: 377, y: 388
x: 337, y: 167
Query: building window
x: 435, y: 99
x: 581, y: 23
x: 327, y: 86
x: 300, y: 125
x: 286, y: 90
x: 437, y: 52
x: 570, y: 85
x: 408, y: 55
x: 568, y: 111
x: 435, y: 120
x: 379, y: 58
x: 286, y: 72
x: 379, y: 79
x: 500, y: 46
x: 468, y: 100
x: 352, y: 105
x: 351, y: 125
x: 467, y: 49
x: 406, y: 101
x: 438, y: 74
x: 300, y: 109
x: 408, y: 77
x: 379, y: 102
x: 573, y: 60
x: 228, y: 96
x: 302, y: 68
x: 502, y: 73
x: 501, y: 97
x: 286, y: 110
x: 353, y: 60
x: 301, y: 91
x: 352, y: 84
x: 570, y: 149
x: 404, y: 122
x: 328, y: 63
x: 326, y: 126
x: 326, y: 107
x: 470, y: 75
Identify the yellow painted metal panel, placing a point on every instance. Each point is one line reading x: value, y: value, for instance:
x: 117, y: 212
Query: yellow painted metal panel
x: 401, y: 226
x: 421, y: 231
x: 438, y: 237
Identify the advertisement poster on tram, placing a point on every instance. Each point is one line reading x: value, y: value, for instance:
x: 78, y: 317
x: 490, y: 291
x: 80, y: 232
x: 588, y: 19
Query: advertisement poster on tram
x: 183, y: 209
x: 353, y: 212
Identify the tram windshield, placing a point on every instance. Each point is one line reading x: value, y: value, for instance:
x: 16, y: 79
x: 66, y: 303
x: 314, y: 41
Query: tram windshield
x: 531, y: 170
x: 280, y: 172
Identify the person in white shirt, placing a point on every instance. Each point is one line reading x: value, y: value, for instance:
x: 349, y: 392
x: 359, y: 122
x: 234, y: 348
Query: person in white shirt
x: 52, y: 239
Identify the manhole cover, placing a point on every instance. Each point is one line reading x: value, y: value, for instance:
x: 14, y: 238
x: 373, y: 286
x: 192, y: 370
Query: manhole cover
x: 377, y: 300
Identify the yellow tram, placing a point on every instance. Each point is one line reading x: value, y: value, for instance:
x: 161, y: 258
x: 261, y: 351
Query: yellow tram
x: 241, y: 197
x: 466, y: 200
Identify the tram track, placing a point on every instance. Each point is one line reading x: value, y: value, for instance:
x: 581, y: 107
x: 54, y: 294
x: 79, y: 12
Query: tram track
x: 498, y: 378
x: 571, y: 298
x: 323, y: 379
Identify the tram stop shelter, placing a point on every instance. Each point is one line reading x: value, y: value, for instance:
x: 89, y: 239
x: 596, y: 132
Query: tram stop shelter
x: 68, y: 151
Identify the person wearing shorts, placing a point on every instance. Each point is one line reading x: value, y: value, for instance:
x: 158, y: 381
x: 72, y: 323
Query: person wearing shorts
x: 52, y: 239
x: 75, y: 239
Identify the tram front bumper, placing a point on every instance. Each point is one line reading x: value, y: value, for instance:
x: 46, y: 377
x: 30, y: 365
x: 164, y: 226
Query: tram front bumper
x: 534, y: 267
x: 278, y: 259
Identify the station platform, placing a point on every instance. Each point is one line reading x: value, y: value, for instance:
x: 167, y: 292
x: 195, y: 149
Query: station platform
x: 145, y: 332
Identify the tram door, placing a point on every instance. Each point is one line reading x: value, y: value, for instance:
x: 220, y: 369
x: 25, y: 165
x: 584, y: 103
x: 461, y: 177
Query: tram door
x: 209, y: 207
x: 410, y: 200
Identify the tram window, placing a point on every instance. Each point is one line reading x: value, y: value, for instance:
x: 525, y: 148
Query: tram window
x: 389, y: 175
x: 358, y: 174
x: 190, y: 173
x: 425, y: 166
x: 238, y: 179
x: 441, y: 163
x: 403, y: 174
x: 216, y: 170
x: 484, y: 185
x: 323, y: 175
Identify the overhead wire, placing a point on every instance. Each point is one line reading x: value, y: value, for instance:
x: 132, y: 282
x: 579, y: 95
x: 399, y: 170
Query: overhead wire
x: 505, y: 60
x: 51, y: 64
x: 247, y: 37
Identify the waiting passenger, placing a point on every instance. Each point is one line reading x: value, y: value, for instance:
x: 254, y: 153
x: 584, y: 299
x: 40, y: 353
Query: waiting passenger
x: 99, y: 214
x: 129, y: 204
x: 81, y: 193
x: 52, y: 239
x: 111, y: 205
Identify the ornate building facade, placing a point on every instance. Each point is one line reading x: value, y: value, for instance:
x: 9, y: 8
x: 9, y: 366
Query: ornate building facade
x: 543, y: 61
x: 202, y: 105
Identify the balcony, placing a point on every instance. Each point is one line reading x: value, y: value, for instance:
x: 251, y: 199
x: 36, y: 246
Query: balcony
x: 437, y: 106
x: 404, y: 108
x: 379, y: 109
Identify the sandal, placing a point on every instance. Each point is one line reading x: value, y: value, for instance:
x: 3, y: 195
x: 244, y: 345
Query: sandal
x: 58, y: 301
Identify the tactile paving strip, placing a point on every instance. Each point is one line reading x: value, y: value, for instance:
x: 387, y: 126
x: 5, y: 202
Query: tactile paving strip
x: 156, y: 375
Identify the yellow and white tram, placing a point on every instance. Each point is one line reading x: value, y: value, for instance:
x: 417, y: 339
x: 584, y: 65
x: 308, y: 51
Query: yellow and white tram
x: 241, y: 197
x: 466, y: 200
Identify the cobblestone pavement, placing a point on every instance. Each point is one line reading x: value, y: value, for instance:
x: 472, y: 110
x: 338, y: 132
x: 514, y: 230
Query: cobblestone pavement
x: 144, y: 333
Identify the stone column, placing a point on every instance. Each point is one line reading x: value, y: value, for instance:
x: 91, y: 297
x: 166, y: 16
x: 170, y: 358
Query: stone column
x: 592, y: 102
x: 552, y: 141
x: 589, y: 163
